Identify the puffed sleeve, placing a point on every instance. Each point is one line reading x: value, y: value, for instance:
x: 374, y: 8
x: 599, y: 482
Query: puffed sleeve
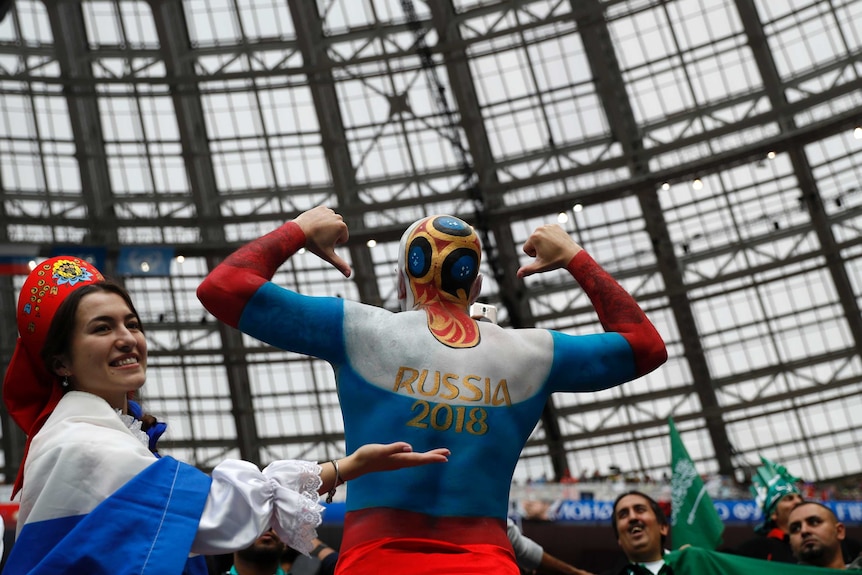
x: 244, y: 502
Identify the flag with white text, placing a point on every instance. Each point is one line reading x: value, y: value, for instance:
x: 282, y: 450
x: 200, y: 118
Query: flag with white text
x: 694, y: 520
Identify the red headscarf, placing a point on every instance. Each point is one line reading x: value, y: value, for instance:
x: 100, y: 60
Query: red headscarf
x: 30, y: 391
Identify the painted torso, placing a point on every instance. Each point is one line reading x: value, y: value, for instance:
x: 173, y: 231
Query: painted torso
x: 397, y: 382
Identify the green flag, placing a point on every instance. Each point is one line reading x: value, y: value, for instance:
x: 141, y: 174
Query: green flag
x: 694, y: 520
x: 694, y: 561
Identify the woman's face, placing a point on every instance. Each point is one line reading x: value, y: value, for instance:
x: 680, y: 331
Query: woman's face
x: 108, y: 352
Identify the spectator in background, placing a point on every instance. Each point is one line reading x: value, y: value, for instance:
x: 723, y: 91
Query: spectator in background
x: 817, y: 537
x: 777, y: 494
x: 772, y: 541
x: 641, y: 529
x: 263, y: 557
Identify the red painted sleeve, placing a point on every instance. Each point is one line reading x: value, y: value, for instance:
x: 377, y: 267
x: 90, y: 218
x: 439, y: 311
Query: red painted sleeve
x: 619, y: 312
x: 226, y: 290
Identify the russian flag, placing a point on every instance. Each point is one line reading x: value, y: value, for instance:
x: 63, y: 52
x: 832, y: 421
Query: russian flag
x: 16, y: 259
x: 144, y: 528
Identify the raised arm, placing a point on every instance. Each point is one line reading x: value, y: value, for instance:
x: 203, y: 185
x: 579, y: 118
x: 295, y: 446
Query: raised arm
x: 227, y: 289
x: 618, y: 312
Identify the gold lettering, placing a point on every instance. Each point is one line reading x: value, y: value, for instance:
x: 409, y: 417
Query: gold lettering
x: 468, y: 379
x: 436, y: 387
x: 441, y: 416
x: 422, y: 407
x: 405, y: 382
x: 447, y: 416
x: 478, y: 422
x: 502, y: 388
x: 450, y: 386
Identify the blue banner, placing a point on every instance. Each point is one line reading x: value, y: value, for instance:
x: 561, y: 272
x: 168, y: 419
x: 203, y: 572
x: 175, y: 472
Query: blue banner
x: 96, y: 255
x: 743, y: 511
x: 730, y: 511
x: 145, y: 261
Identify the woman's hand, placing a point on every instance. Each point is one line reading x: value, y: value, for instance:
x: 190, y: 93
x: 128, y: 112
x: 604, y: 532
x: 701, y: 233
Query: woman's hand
x: 375, y: 457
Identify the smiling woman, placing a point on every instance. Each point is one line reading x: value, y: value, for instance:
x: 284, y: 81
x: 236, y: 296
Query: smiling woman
x: 104, y: 351
x: 80, y: 354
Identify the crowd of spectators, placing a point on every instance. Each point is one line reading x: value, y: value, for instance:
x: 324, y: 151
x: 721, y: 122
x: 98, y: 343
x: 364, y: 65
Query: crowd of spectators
x: 605, y: 486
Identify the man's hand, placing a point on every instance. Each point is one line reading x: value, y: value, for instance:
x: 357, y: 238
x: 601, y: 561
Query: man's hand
x: 552, y: 249
x: 324, y: 230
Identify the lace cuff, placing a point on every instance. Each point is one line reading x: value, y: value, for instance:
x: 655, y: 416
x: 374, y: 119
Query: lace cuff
x: 134, y: 426
x: 297, y: 511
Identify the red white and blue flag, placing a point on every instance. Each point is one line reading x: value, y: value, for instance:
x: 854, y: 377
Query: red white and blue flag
x: 16, y: 259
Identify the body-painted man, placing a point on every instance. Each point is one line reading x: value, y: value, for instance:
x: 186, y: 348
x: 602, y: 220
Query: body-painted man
x: 434, y: 376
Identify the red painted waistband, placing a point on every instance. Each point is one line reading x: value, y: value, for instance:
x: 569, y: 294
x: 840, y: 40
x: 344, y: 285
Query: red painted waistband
x: 381, y: 522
